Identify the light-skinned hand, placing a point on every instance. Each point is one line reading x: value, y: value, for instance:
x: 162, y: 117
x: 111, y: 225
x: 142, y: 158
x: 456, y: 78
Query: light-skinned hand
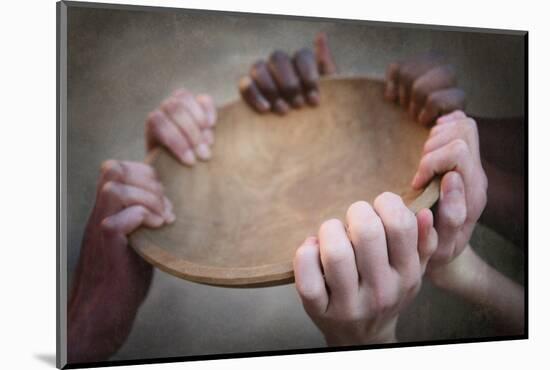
x: 355, y: 279
x: 184, y: 125
x: 452, y: 150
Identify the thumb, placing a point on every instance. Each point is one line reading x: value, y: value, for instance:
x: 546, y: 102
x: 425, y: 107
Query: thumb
x: 323, y: 55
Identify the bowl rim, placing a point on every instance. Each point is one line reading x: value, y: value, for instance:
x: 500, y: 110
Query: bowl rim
x: 272, y: 274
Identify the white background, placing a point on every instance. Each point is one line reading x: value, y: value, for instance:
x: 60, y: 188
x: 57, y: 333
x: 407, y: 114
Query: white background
x: 27, y: 181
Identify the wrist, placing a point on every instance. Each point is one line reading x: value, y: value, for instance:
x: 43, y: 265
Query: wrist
x: 455, y: 274
x: 362, y: 336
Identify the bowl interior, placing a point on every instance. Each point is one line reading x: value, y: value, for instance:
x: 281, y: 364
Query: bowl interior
x: 273, y: 180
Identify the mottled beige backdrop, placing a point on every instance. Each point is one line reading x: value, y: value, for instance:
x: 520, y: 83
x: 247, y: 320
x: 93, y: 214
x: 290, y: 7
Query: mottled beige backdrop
x: 123, y: 62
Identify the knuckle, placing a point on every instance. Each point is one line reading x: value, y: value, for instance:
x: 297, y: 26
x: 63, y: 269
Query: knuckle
x: 433, y: 101
x: 425, y: 163
x: 399, y: 219
x: 335, y: 255
x: 303, y: 253
x: 303, y: 53
x: 418, y: 92
x: 383, y: 302
x: 454, y: 216
x: 153, y: 117
x: 278, y: 55
x: 401, y: 222
x: 309, y: 292
x: 459, y: 148
x: 111, y: 167
x: 330, y: 225
x: 351, y: 314
x: 258, y: 67
x: 406, y: 76
x: 109, y: 188
x: 364, y: 224
x: 108, y: 227
x: 170, y: 105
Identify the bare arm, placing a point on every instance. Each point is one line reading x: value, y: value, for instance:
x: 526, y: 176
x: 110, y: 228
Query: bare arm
x: 474, y: 280
x: 111, y: 280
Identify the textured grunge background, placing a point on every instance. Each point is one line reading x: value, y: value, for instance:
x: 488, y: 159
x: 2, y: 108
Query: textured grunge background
x: 123, y: 62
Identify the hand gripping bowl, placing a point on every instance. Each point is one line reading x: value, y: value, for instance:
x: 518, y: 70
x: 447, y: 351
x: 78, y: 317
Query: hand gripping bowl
x: 273, y: 180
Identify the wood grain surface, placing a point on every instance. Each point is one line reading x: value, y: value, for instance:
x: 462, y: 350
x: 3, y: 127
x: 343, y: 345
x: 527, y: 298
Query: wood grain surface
x: 273, y: 180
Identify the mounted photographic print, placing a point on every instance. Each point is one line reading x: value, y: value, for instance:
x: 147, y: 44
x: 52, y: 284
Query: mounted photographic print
x: 235, y: 184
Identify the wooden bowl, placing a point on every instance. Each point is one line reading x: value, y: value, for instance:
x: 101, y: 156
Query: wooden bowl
x: 273, y: 180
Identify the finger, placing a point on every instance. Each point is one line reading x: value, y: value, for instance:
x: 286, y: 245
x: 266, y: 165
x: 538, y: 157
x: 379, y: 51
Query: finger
x: 308, y: 274
x: 441, y: 102
x: 450, y: 215
x: 409, y: 71
x: 181, y: 116
x: 114, y: 196
x: 338, y: 263
x: 401, y: 233
x: 443, y: 134
x: 453, y: 116
x: 306, y: 66
x: 169, y: 215
x: 454, y: 156
x: 207, y: 104
x: 438, y: 78
x: 131, y: 173
x: 192, y: 106
x: 325, y: 61
x: 427, y: 236
x: 162, y: 131
x: 129, y: 219
x: 392, y: 80
x: 251, y: 94
x: 282, y: 70
x: 368, y: 239
x: 263, y: 79
x: 208, y: 135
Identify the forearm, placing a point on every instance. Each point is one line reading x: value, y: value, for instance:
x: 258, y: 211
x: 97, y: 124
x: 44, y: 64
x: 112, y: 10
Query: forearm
x: 96, y: 328
x: 100, y: 315
x: 469, y: 277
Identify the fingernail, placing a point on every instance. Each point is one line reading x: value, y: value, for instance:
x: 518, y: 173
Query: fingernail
x: 313, y: 97
x: 203, y: 151
x: 280, y: 106
x: 263, y: 105
x: 156, y: 220
x: 311, y: 240
x: 189, y: 157
x: 453, y: 185
x: 170, y: 217
x: 298, y: 101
